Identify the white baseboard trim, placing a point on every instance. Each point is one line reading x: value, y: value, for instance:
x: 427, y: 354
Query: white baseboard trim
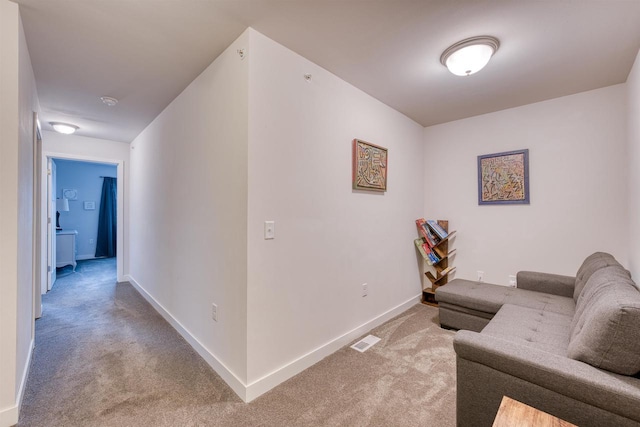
x: 25, y: 374
x: 269, y: 381
x: 256, y: 388
x: 85, y: 257
x: 229, y: 377
x: 9, y: 416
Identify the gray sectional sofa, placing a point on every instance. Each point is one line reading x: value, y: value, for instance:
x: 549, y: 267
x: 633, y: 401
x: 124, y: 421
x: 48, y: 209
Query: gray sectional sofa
x: 569, y: 346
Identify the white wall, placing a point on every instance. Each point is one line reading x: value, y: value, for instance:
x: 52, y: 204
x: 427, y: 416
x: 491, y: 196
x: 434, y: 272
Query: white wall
x: 76, y: 145
x: 86, y: 178
x: 305, y: 285
x: 633, y: 138
x: 9, y: 148
x: 18, y: 102
x: 578, y: 184
x: 28, y: 104
x: 189, y: 209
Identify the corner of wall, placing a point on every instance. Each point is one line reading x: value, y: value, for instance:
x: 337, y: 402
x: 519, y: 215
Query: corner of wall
x: 236, y: 384
x: 186, y: 259
x: 633, y: 156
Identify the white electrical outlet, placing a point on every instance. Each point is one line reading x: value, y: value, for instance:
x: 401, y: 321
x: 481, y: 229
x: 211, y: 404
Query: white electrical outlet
x: 480, y: 276
x: 365, y: 289
x: 512, y: 281
x: 214, y: 312
x: 91, y: 241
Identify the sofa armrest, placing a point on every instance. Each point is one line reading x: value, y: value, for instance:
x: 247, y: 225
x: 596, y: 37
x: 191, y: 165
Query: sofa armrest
x: 564, y: 377
x: 544, y: 282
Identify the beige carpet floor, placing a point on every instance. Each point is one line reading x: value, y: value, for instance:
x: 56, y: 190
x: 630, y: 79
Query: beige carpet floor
x: 104, y: 357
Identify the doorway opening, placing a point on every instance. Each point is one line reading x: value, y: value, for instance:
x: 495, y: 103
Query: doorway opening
x: 81, y: 219
x: 84, y: 195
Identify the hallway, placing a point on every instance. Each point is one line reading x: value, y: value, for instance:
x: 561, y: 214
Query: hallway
x: 104, y: 356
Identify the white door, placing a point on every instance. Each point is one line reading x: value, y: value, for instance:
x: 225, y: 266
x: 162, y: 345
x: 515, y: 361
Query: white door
x: 51, y: 223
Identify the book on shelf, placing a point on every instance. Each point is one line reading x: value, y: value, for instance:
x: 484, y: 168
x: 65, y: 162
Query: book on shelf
x: 441, y: 232
x: 426, y: 232
x: 446, y: 271
x: 427, y: 242
x: 421, y: 230
x: 427, y: 253
x: 431, y: 236
x: 420, y: 245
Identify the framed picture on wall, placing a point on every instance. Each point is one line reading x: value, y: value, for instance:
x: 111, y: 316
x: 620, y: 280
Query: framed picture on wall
x: 70, y: 193
x: 503, y: 178
x: 369, y: 166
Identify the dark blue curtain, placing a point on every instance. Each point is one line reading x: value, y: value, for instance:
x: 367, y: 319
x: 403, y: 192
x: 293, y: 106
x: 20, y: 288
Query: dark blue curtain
x: 107, y: 221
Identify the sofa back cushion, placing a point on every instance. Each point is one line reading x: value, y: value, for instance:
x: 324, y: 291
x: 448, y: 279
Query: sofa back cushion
x: 591, y: 264
x: 595, y: 286
x: 605, y: 331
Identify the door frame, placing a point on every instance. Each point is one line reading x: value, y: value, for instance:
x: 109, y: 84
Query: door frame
x: 37, y: 215
x: 120, y: 253
x: 51, y: 224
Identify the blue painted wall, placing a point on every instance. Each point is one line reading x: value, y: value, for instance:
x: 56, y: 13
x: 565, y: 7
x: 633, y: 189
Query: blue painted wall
x: 85, y: 178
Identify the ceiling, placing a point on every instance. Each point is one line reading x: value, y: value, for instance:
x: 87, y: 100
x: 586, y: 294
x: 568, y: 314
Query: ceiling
x: 145, y: 52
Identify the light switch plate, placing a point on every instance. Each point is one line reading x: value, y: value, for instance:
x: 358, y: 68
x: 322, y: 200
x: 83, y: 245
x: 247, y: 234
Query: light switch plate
x: 269, y: 230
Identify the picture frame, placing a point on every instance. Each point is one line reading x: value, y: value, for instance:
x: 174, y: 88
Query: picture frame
x: 70, y: 193
x: 370, y: 166
x: 503, y: 178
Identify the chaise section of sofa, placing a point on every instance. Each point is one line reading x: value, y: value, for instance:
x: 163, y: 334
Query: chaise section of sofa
x: 464, y: 304
x: 569, y: 346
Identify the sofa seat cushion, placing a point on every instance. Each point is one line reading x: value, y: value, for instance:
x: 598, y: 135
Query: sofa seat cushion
x: 466, y: 310
x: 489, y: 298
x: 532, y: 327
x: 606, y: 329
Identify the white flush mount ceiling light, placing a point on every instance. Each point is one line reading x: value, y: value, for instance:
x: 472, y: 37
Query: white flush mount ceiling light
x: 64, y: 128
x: 107, y: 100
x: 469, y: 55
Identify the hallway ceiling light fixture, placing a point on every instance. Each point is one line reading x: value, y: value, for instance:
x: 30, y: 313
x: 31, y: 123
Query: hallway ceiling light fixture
x: 470, y: 55
x: 109, y: 100
x: 64, y: 128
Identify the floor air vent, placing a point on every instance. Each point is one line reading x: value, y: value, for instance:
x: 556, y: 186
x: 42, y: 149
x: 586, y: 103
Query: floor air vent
x: 365, y: 343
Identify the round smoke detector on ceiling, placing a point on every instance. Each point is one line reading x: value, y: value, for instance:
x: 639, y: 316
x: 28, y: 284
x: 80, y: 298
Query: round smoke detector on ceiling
x: 109, y: 100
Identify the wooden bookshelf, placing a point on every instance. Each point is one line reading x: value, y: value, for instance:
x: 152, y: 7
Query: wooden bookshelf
x: 441, y: 269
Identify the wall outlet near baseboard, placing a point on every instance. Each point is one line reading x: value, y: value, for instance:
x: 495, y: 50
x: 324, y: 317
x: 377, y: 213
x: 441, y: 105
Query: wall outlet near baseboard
x: 480, y: 276
x: 512, y: 281
x: 214, y: 312
x: 365, y: 289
